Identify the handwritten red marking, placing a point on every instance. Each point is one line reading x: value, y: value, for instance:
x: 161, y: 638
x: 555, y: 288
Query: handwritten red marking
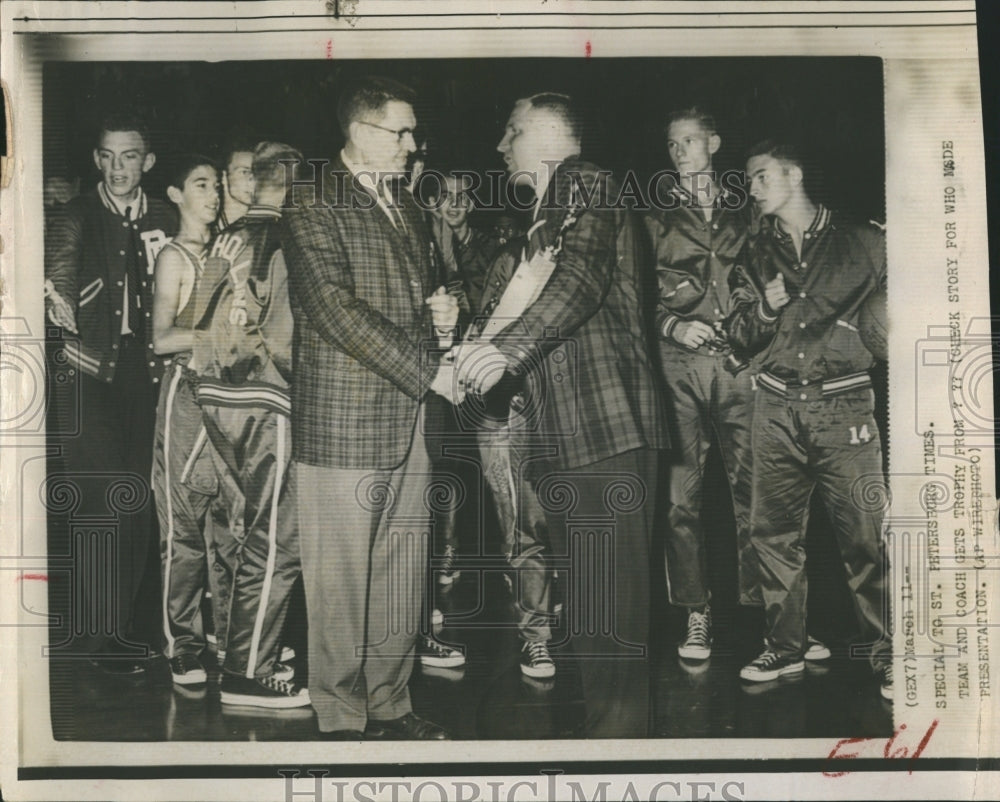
x: 40, y: 577
x: 586, y: 49
x: 890, y: 751
x: 329, y: 48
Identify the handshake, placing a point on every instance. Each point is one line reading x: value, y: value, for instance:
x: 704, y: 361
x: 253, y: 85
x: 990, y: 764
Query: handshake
x: 470, y: 367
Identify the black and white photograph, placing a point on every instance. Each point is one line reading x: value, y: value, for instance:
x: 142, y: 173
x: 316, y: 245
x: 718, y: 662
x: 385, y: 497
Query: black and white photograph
x: 619, y: 411
x: 278, y: 418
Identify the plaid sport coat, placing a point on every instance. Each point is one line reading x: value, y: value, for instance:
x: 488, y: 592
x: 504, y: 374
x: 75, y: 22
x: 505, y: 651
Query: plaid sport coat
x: 584, y: 344
x: 357, y: 286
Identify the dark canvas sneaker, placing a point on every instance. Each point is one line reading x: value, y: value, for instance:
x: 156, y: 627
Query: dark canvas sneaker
x: 283, y: 671
x: 535, y: 659
x: 269, y: 692
x: 816, y: 650
x: 185, y: 669
x: 884, y: 675
x: 698, y: 643
x: 435, y: 654
x: 770, y: 666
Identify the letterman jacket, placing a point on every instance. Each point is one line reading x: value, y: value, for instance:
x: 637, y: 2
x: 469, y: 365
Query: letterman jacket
x: 85, y: 263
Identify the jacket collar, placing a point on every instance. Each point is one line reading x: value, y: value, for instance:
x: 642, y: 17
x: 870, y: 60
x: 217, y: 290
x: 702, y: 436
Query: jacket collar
x: 821, y: 220
x: 138, y: 207
x: 261, y: 211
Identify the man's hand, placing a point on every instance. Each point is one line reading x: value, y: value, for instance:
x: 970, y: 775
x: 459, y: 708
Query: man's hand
x: 479, y: 366
x: 775, y: 294
x: 59, y: 310
x: 444, y: 309
x: 446, y: 383
x: 692, y: 333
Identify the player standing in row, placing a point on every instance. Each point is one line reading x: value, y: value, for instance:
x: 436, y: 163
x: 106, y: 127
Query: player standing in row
x: 99, y: 253
x: 814, y: 425
x: 243, y: 353
x: 698, y: 240
x: 183, y: 476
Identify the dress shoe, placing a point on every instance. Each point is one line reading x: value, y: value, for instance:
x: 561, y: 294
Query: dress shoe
x: 341, y: 735
x: 405, y: 728
x: 119, y: 666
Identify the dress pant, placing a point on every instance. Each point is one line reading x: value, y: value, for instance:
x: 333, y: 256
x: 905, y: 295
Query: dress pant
x: 705, y: 399
x: 100, y: 507
x: 364, y: 538
x: 830, y: 445
x: 600, y: 518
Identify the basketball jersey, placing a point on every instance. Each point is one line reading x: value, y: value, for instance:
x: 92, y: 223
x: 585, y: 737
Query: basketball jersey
x: 247, y: 315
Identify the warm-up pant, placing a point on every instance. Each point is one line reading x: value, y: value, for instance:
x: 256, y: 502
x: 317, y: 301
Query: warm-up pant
x: 705, y: 399
x: 831, y: 445
x: 524, y: 530
x: 185, y: 484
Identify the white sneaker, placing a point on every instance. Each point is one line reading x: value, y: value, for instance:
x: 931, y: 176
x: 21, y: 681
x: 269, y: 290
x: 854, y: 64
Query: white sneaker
x: 816, y: 650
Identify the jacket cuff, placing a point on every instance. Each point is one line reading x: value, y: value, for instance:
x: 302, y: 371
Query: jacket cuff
x: 765, y: 313
x: 668, y: 325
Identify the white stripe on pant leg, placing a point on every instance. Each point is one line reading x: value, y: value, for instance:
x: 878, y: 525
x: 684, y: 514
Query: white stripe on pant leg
x: 199, y: 444
x: 168, y: 409
x: 272, y: 545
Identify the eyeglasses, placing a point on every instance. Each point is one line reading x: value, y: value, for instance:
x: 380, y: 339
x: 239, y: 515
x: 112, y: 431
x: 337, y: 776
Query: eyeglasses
x: 400, y: 133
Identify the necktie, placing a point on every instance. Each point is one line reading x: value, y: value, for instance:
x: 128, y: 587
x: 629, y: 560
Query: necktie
x: 394, y: 209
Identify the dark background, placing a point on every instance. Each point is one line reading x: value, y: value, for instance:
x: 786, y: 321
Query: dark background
x: 832, y: 105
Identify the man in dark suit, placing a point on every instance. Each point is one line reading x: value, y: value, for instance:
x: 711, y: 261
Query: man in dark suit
x: 362, y: 292
x: 581, y: 345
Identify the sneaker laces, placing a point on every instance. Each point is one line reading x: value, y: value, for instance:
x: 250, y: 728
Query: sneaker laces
x: 437, y: 648
x: 887, y: 674
x: 284, y: 687
x: 766, y: 660
x: 448, y: 560
x: 188, y: 662
x: 697, y: 632
x: 538, y: 651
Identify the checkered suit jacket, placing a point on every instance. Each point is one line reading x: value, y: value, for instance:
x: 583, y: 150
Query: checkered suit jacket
x: 357, y: 287
x: 585, y: 342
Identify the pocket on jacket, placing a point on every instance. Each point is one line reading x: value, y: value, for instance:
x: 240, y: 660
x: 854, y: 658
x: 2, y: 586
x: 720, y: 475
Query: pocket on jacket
x: 90, y: 292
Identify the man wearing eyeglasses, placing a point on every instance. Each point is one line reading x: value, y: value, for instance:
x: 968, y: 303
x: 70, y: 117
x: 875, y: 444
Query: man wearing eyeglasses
x: 362, y: 289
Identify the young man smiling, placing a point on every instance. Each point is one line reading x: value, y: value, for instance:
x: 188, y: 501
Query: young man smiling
x: 182, y: 470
